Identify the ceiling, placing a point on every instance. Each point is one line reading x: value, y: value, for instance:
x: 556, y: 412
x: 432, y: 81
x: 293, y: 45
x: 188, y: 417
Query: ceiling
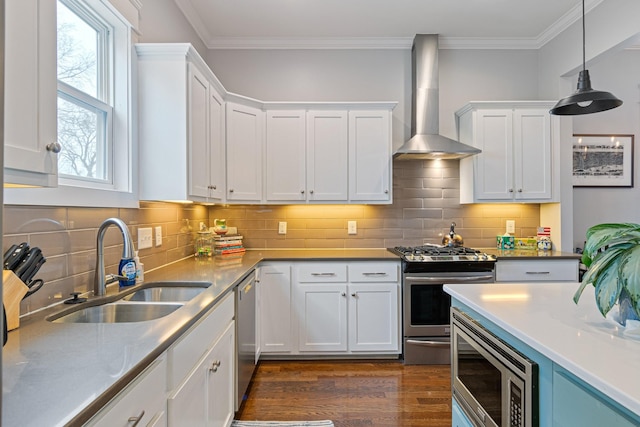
x: 387, y: 24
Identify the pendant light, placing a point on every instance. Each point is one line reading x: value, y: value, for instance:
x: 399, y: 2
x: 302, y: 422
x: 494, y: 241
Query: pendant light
x: 585, y: 100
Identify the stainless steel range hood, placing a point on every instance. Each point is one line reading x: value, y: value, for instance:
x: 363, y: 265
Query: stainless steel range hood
x: 426, y: 142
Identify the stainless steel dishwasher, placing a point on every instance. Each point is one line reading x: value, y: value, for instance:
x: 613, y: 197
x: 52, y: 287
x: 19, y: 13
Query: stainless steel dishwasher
x: 245, y: 335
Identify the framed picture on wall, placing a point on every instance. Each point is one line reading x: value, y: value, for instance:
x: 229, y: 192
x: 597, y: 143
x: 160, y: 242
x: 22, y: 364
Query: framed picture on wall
x: 603, y: 160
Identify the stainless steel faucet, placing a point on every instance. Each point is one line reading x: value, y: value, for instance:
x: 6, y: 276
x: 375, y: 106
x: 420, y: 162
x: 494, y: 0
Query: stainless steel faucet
x: 101, y: 281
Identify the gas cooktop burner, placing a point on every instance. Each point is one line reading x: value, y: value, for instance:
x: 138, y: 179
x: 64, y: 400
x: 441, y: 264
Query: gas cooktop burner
x: 431, y: 253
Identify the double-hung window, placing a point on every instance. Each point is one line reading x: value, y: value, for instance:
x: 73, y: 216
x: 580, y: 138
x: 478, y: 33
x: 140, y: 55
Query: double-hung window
x: 94, y: 110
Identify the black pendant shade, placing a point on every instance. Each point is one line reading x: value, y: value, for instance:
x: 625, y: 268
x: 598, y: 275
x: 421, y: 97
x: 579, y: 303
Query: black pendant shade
x: 585, y: 100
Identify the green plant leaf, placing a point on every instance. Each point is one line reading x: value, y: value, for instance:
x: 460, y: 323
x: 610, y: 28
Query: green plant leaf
x: 606, y: 235
x: 608, y: 286
x: 629, y: 271
x: 607, y: 261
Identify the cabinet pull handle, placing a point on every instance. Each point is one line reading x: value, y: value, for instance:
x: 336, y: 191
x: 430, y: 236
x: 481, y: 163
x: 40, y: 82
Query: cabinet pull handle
x: 519, y: 190
x: 344, y: 294
x: 386, y: 191
x: 311, y: 191
x: 214, y: 366
x: 537, y: 272
x: 353, y: 294
x: 136, y: 420
x: 323, y: 274
x: 215, y: 187
x: 374, y: 274
x: 231, y: 190
x: 54, y: 147
x: 301, y: 191
x: 511, y: 190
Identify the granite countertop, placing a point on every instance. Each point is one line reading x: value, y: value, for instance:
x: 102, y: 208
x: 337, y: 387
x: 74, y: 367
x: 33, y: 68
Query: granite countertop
x: 62, y: 373
x: 575, y: 336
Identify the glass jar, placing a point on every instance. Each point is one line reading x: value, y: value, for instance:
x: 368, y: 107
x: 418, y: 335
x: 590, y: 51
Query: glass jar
x: 204, y: 244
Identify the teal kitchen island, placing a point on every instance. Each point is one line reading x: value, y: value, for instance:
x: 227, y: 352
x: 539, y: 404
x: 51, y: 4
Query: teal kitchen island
x: 589, y: 366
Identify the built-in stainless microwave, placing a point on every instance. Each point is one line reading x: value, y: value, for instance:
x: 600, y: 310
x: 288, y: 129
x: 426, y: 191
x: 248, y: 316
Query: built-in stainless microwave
x: 494, y: 384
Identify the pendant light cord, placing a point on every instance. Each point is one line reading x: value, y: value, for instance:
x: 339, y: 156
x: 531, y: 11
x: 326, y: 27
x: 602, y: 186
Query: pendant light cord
x: 584, y: 54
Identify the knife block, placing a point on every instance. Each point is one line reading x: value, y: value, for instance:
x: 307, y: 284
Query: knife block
x: 13, y: 290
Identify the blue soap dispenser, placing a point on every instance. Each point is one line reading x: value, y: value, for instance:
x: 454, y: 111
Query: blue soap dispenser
x: 127, y: 268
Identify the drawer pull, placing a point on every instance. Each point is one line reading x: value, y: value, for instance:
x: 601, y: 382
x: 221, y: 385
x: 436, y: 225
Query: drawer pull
x: 374, y: 274
x: 538, y: 272
x: 136, y: 420
x: 323, y: 274
x: 214, y: 366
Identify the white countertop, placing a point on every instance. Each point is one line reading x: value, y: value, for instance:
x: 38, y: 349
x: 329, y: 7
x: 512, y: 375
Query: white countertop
x: 576, y: 337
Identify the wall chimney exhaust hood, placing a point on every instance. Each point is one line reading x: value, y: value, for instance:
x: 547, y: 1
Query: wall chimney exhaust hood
x: 426, y: 142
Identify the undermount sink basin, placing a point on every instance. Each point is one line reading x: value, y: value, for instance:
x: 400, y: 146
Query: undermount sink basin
x: 118, y: 313
x: 167, y: 292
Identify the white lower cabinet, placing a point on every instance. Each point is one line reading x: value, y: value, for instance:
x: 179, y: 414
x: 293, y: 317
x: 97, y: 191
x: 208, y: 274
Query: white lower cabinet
x: 205, y: 398
x: 336, y: 308
x: 202, y: 371
x: 142, y: 403
x: 537, y: 270
x: 275, y: 308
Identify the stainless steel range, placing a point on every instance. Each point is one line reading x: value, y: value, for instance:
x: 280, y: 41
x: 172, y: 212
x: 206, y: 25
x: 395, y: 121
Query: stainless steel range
x: 425, y: 305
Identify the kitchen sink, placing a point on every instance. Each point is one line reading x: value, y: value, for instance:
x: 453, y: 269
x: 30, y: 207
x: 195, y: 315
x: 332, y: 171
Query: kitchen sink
x: 168, y: 292
x: 118, y: 312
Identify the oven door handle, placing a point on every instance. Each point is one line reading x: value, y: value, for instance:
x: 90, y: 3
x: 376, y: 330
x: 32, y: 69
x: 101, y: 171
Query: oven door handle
x: 429, y: 343
x: 455, y: 279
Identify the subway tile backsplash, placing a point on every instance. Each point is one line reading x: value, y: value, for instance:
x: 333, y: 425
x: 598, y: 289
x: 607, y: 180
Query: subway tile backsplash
x: 425, y: 202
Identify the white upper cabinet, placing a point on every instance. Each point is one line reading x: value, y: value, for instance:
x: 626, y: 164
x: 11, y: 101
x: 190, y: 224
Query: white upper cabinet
x: 245, y: 130
x: 285, y: 155
x: 370, y: 156
x: 327, y: 156
x: 30, y: 135
x: 181, y: 125
x: 516, y: 139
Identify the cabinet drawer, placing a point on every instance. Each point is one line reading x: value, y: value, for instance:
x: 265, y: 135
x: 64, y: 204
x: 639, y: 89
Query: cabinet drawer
x: 537, y: 270
x: 184, y: 355
x: 321, y: 272
x: 373, y: 272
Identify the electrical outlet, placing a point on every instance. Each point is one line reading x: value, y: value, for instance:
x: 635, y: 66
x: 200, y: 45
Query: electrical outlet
x: 511, y: 226
x: 282, y: 227
x: 352, y: 227
x: 159, y: 235
x: 145, y: 238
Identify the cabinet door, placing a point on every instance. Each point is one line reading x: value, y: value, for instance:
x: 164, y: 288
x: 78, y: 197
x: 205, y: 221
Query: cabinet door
x: 198, y: 132
x: 532, y: 154
x: 494, y: 166
x: 217, y: 160
x: 327, y: 155
x: 369, y: 156
x: 373, y: 317
x: 285, y: 155
x: 220, y: 380
x: 322, y: 309
x: 275, y: 305
x: 244, y: 153
x: 30, y: 95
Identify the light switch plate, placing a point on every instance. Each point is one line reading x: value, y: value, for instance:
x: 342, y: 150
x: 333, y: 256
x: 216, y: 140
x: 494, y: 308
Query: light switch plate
x: 511, y: 226
x: 158, y: 235
x: 352, y: 227
x: 282, y: 227
x: 145, y: 238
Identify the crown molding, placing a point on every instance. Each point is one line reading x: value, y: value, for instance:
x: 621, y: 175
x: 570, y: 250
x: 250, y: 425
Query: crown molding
x: 212, y: 42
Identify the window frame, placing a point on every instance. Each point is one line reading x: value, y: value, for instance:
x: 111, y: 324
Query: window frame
x: 122, y: 191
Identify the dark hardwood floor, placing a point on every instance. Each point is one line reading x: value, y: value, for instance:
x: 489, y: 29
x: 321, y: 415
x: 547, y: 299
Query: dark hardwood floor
x: 350, y: 393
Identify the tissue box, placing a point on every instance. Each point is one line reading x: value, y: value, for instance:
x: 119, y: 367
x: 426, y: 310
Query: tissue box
x: 505, y: 242
x: 527, y: 243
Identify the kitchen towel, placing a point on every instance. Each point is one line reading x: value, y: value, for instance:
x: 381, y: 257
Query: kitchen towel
x: 324, y: 423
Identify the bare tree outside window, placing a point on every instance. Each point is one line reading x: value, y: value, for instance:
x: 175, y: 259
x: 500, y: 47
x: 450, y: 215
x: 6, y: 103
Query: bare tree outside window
x: 81, y: 120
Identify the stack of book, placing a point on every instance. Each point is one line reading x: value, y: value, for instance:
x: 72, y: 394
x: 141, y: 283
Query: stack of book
x: 228, y: 244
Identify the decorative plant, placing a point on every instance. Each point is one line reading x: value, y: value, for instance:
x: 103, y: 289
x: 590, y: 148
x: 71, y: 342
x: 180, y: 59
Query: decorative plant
x: 612, y: 255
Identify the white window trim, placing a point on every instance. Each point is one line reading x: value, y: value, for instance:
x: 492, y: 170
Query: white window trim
x: 125, y: 186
